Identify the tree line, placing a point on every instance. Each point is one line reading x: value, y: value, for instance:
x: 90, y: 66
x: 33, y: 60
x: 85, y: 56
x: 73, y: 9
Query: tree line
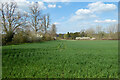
x: 20, y: 27
x: 109, y: 33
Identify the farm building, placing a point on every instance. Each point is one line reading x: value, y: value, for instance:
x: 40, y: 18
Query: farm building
x: 85, y: 38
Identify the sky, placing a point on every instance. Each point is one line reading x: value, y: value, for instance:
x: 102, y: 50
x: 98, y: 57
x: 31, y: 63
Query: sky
x: 72, y: 16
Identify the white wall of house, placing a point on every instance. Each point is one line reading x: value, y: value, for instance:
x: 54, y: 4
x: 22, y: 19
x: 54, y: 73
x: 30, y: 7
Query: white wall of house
x: 85, y: 38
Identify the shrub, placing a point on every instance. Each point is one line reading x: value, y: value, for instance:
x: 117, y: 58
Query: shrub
x: 7, y: 38
x: 47, y: 37
x: 21, y: 37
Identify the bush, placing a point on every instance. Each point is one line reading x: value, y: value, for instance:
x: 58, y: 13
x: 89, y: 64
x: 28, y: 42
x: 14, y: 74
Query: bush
x: 47, y: 37
x: 7, y: 38
x: 3, y: 40
x: 21, y: 37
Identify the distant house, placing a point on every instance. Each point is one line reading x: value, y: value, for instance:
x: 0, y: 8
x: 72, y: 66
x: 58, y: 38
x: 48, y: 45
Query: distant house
x: 35, y: 35
x: 38, y: 35
x: 82, y: 38
x: 93, y: 39
x: 85, y: 38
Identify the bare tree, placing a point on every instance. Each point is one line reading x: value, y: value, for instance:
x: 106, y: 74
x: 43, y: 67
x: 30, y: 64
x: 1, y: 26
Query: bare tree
x: 112, y: 30
x: 90, y: 32
x: 100, y: 33
x: 46, y: 23
x: 0, y: 33
x: 11, y: 19
x: 98, y: 29
x: 53, y: 30
x: 0, y: 27
x: 36, y: 17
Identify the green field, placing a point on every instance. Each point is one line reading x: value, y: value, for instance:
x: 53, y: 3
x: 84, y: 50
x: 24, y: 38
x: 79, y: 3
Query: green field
x: 61, y: 59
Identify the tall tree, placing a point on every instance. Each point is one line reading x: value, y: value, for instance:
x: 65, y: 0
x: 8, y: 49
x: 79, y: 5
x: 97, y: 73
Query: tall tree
x: 99, y: 32
x: 112, y: 29
x: 11, y: 19
x: 53, y: 30
x: 36, y: 17
x: 90, y: 32
x: 98, y: 29
x: 46, y: 23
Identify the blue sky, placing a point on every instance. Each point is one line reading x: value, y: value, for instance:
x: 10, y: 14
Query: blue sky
x: 102, y: 17
x: 75, y: 16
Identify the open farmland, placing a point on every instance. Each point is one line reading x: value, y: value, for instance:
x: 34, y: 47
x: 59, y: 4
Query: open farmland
x: 61, y: 59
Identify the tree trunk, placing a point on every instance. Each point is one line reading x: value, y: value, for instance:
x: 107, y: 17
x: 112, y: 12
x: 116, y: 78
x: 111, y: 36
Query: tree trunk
x: 9, y: 36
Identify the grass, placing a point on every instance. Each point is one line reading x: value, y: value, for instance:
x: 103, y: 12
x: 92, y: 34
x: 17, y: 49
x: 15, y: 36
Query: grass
x: 61, y: 59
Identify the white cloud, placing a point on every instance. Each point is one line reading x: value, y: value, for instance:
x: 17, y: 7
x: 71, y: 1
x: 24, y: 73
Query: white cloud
x: 101, y: 7
x: 41, y: 5
x: 52, y: 6
x: 20, y: 0
x: 82, y: 11
x: 50, y: 0
x: 59, y: 6
x: 89, y: 13
x: 14, y: 1
x: 23, y: 4
x: 56, y: 0
x: 82, y: 17
x: 65, y: 0
x: 105, y: 21
x: 56, y: 23
x: 82, y: 14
